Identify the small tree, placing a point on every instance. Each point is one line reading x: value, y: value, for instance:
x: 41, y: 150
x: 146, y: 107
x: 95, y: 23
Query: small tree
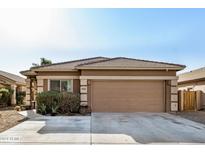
x: 45, y: 61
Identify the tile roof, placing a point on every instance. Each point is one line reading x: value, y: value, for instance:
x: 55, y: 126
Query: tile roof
x: 192, y: 75
x: 103, y: 63
x: 16, y: 78
x: 69, y: 65
x: 129, y: 63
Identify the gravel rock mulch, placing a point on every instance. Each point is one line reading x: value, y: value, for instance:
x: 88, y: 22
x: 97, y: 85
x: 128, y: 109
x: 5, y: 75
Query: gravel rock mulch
x: 198, y: 116
x: 9, y: 118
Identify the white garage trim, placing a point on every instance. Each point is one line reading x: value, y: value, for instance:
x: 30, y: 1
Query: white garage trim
x: 130, y: 77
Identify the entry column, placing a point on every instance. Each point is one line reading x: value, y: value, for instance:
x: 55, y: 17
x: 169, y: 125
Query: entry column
x: 174, y: 96
x: 13, y: 96
x: 83, y: 92
x: 28, y: 91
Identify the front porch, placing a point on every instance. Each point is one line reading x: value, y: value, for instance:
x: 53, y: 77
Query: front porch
x: 13, y: 87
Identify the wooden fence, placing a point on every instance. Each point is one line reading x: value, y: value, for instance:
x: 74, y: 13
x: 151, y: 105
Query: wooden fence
x: 189, y: 100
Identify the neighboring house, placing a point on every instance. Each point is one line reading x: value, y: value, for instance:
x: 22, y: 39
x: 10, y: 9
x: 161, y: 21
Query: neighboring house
x: 110, y: 84
x: 194, y: 81
x: 12, y: 81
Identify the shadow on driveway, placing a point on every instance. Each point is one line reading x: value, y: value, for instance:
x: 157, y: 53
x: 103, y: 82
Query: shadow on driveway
x: 66, y: 125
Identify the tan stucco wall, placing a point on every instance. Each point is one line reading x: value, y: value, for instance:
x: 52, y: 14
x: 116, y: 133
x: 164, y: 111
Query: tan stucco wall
x: 45, y: 85
x: 170, y: 92
x: 67, y: 73
x: 43, y: 77
x: 168, y: 96
x: 76, y: 86
x: 126, y: 73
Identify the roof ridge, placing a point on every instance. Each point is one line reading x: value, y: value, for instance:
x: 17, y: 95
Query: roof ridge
x: 95, y: 62
x: 160, y: 62
x: 36, y: 67
x: 132, y: 59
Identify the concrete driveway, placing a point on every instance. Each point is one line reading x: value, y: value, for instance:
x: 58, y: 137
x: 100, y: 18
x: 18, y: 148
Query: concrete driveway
x: 106, y: 128
x: 145, y: 128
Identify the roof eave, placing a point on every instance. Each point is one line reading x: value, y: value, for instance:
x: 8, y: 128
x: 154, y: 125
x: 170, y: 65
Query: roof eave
x: 9, y: 79
x: 28, y: 73
x: 190, y: 80
x: 13, y: 81
x: 54, y: 70
x: 132, y: 68
x: 21, y: 83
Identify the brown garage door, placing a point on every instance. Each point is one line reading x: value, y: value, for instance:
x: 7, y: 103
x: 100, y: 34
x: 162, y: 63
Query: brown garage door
x: 127, y: 96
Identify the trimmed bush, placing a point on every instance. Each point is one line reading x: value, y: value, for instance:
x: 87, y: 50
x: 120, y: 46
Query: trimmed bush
x: 74, y: 103
x: 64, y: 107
x: 42, y: 109
x: 47, y: 99
x: 56, y: 102
x: 69, y: 102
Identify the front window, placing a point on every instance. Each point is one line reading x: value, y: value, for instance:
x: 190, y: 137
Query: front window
x: 61, y: 85
x: 55, y: 85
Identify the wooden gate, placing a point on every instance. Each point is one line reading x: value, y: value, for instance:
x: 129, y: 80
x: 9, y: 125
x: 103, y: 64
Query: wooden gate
x: 190, y: 101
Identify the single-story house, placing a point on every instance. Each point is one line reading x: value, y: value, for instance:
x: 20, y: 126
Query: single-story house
x: 12, y: 81
x: 194, y: 81
x: 110, y: 84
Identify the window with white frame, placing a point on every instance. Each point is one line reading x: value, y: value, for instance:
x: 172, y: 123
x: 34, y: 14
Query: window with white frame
x: 61, y: 85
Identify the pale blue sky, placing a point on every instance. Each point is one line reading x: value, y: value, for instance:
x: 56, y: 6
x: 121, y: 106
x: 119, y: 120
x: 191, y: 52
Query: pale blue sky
x: 170, y: 35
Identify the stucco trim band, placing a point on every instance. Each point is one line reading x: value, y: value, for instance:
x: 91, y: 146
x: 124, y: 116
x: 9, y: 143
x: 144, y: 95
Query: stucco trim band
x: 57, y: 77
x: 130, y: 77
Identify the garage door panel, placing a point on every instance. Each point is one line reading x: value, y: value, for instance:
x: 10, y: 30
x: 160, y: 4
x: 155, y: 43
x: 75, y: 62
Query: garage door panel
x: 127, y: 96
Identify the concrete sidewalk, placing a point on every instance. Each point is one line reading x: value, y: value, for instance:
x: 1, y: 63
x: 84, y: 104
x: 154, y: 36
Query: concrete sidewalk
x: 49, y: 130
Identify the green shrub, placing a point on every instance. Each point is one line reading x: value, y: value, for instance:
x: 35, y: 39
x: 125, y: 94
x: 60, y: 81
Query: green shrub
x: 55, y: 107
x: 20, y: 95
x: 74, y: 103
x: 56, y: 102
x: 42, y: 109
x: 48, y: 99
x: 64, y: 103
x: 5, y: 96
x: 69, y: 102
